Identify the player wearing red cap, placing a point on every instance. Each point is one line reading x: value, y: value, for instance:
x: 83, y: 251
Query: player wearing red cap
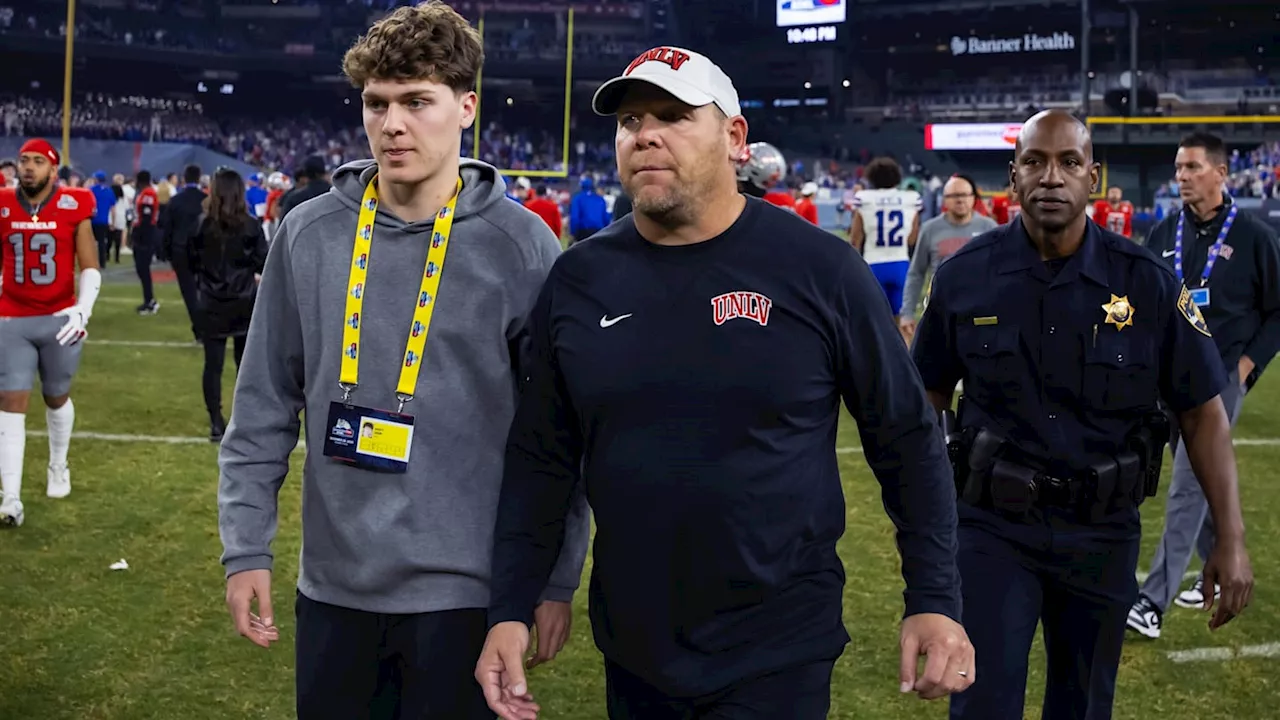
x: 44, y: 229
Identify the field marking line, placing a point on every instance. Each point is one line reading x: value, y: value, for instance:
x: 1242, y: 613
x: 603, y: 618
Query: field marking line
x: 1222, y: 654
x: 146, y: 343
x: 854, y: 449
x: 188, y: 440
x: 126, y: 438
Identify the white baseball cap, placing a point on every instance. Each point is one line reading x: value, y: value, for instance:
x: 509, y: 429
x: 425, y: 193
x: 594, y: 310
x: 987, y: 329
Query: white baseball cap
x: 691, y: 77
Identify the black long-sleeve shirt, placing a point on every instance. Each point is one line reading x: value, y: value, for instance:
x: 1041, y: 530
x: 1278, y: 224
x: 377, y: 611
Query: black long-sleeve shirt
x: 698, y: 387
x: 1244, y: 289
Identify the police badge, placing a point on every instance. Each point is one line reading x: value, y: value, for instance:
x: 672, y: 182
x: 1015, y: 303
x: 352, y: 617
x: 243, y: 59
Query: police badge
x: 1119, y: 312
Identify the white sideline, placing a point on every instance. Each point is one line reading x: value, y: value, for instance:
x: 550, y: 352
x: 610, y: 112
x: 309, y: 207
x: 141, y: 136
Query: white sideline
x: 1221, y: 654
x: 853, y: 449
x: 157, y: 439
x: 145, y: 343
x: 1271, y: 650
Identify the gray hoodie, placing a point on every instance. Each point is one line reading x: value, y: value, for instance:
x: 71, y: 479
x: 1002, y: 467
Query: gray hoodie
x: 389, y: 543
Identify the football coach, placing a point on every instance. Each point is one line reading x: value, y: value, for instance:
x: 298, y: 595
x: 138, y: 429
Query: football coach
x: 690, y: 361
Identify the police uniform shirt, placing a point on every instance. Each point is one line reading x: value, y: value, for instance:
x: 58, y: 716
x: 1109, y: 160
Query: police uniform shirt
x: 1064, y: 357
x: 1244, y: 288
x: 702, y: 386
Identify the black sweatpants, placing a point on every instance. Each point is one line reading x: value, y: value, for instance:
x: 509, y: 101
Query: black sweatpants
x: 799, y: 693
x: 102, y: 235
x: 356, y: 665
x: 215, y: 355
x: 143, y: 254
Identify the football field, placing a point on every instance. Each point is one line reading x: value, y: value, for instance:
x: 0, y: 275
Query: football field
x: 79, y: 640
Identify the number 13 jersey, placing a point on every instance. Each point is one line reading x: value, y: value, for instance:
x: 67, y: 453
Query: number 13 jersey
x: 887, y: 219
x: 37, y: 275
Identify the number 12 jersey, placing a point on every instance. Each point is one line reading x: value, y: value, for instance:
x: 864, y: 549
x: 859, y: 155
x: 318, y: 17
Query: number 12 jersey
x: 887, y: 219
x: 38, y: 249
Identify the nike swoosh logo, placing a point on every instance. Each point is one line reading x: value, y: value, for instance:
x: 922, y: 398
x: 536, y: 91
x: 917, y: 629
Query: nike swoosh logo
x: 1167, y: 253
x: 606, y: 321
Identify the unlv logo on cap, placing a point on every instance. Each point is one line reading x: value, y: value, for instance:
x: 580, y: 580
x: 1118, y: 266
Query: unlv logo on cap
x: 667, y: 55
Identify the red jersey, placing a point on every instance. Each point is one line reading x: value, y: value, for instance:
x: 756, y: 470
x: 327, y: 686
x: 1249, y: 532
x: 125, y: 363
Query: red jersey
x: 146, y: 208
x: 807, y: 210
x: 546, y: 209
x: 273, y: 197
x: 39, y: 251
x: 980, y: 206
x: 781, y: 199
x: 1116, y: 218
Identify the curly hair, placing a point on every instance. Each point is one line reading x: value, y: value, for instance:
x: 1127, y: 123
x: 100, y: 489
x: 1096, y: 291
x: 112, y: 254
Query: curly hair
x: 883, y: 173
x: 427, y: 41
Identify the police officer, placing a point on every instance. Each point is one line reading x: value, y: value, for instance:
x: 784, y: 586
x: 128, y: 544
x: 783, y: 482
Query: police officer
x: 1065, y: 336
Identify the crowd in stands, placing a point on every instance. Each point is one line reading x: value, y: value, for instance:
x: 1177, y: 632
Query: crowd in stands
x: 1253, y: 174
x: 186, y: 25
x: 508, y: 140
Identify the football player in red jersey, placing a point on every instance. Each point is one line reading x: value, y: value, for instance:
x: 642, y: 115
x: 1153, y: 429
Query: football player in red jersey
x: 1115, y: 213
x: 44, y: 229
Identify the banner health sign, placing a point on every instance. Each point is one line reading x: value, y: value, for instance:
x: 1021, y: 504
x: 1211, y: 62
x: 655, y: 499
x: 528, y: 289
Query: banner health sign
x: 1027, y: 43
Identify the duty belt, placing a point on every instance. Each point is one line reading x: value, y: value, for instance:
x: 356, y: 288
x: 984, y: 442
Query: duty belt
x: 991, y: 472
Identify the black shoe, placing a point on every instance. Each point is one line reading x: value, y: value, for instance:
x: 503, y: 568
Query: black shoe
x: 217, y: 427
x: 1145, y: 618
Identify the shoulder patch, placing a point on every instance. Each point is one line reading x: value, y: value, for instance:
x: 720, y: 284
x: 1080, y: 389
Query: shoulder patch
x: 1191, y: 312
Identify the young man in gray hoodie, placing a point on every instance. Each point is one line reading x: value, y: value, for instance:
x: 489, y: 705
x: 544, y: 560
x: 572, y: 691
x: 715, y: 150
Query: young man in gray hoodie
x: 407, y: 409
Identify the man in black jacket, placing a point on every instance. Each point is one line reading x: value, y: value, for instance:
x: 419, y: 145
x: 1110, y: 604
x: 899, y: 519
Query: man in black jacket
x: 180, y: 222
x: 317, y: 184
x: 1230, y: 261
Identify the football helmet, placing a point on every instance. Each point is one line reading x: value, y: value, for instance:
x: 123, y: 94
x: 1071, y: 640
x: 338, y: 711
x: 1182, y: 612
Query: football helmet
x: 762, y: 166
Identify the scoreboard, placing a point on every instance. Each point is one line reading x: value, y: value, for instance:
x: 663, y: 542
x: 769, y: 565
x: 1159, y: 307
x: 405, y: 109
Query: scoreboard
x: 811, y: 21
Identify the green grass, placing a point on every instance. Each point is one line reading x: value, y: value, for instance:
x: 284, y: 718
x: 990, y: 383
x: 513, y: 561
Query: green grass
x: 78, y: 640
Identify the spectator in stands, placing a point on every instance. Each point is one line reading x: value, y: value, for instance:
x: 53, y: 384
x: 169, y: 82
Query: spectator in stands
x: 105, y: 199
x: 225, y: 256
x: 180, y: 222
x: 544, y: 207
x: 587, y: 212
x: 145, y: 239
x: 8, y: 173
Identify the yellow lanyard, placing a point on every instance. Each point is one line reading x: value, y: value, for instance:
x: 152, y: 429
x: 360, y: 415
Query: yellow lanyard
x: 349, y: 375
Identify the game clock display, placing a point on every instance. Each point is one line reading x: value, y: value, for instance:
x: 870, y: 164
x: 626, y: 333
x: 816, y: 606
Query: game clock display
x: 824, y: 33
x: 810, y: 21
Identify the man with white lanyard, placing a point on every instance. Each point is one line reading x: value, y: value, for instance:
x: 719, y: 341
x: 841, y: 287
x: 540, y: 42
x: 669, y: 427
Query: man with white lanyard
x: 1230, y: 261
x: 405, y: 437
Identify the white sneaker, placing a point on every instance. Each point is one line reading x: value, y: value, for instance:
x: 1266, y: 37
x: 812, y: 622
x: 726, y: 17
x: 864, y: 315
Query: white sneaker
x: 11, y: 512
x: 1194, y: 597
x: 59, y: 481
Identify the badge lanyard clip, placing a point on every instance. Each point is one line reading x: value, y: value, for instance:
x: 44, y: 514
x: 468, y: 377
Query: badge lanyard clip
x: 413, y: 355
